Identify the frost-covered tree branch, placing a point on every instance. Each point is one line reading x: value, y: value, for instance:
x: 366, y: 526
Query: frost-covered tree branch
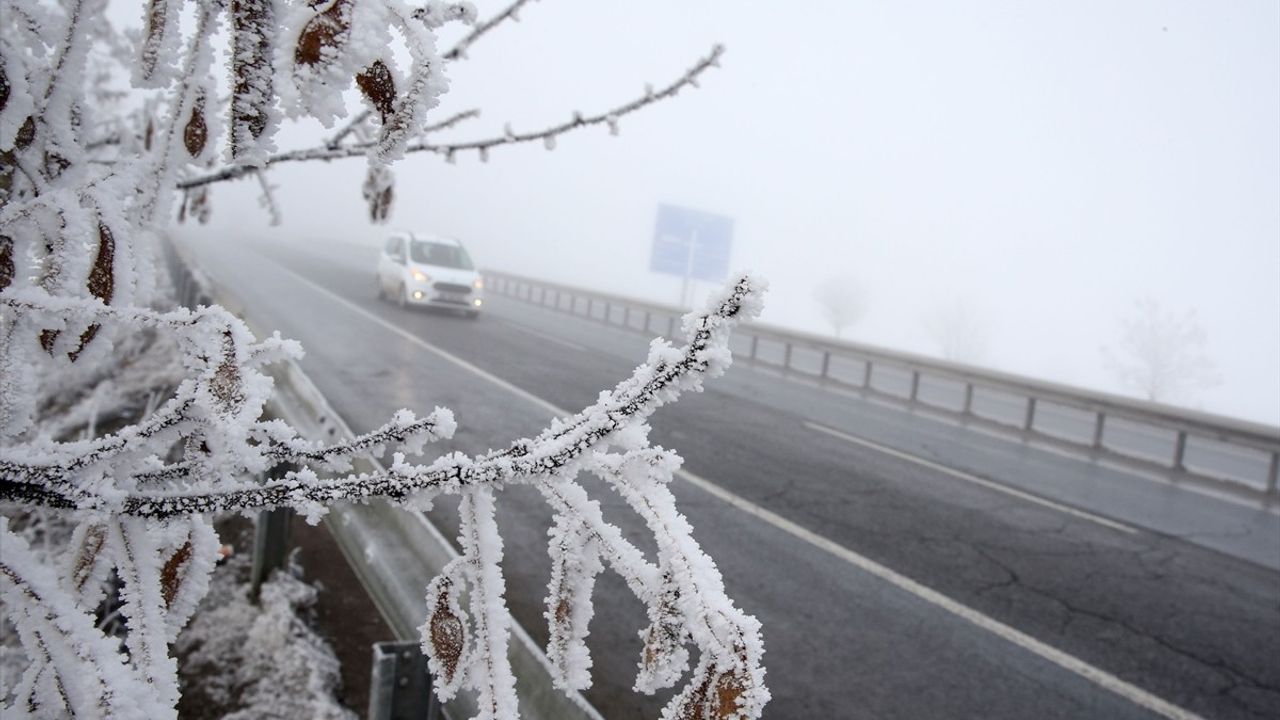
x: 58, y: 480
x: 87, y: 188
x: 548, y: 135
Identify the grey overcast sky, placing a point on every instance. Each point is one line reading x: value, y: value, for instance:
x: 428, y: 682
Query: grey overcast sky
x: 1042, y: 165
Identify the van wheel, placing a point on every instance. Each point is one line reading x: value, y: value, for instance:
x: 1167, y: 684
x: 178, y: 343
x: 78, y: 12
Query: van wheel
x: 402, y: 297
x: 471, y: 314
x: 382, y: 292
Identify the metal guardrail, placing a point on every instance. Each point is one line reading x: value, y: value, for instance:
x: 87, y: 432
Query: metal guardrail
x: 394, y: 552
x: 1182, y: 446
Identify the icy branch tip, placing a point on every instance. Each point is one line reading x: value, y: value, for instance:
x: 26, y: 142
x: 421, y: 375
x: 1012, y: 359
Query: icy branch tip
x: 742, y: 299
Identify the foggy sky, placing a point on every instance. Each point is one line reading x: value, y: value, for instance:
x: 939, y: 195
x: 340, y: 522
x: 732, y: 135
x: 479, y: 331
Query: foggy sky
x: 1042, y: 165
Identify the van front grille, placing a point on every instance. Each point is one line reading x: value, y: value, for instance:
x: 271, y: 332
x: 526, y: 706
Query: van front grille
x: 452, y: 288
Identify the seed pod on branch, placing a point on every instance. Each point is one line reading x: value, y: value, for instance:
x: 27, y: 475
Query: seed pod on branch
x: 16, y: 103
x: 321, y: 70
x: 664, y: 657
x: 159, y: 44
x: 26, y: 134
x: 379, y: 192
x: 575, y: 562
x: 198, y: 205
x: 445, y: 639
x: 101, y: 282
x: 253, y: 111
x: 714, y: 693
x: 190, y: 556
x: 7, y: 266
x: 172, y: 572
x: 379, y: 87
x: 226, y: 384
x: 195, y: 134
x: 86, y: 565
x: 421, y: 91
x: 324, y: 35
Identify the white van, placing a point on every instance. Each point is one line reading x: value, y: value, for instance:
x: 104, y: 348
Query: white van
x: 418, y: 269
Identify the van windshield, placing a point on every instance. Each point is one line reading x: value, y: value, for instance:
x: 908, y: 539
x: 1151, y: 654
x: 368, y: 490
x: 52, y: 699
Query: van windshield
x: 426, y: 252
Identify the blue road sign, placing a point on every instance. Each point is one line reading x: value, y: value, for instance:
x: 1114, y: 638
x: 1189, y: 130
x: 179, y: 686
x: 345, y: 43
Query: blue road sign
x: 691, y: 243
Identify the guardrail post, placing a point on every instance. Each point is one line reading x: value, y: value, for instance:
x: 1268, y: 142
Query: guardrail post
x: 608, y: 313
x: 786, y: 357
x: 1030, y: 420
x: 671, y: 328
x: 270, y: 546
x: 866, y: 374
x: 590, y: 307
x: 1180, y: 451
x: 1099, y: 427
x: 755, y: 345
x: 400, y: 688
x: 626, y: 316
x: 968, y: 399
x: 826, y: 363
x: 915, y: 385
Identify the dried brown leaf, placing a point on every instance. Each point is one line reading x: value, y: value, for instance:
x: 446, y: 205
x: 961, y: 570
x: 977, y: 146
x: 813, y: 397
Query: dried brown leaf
x: 153, y: 39
x: 379, y: 87
x: 379, y: 193
x: 226, y: 384
x: 101, y: 282
x: 196, y: 132
x: 448, y: 634
x: 172, y: 573
x: 26, y: 134
x: 7, y: 266
x: 102, y: 275
x: 328, y: 29
x: 252, y: 23
x: 86, y: 556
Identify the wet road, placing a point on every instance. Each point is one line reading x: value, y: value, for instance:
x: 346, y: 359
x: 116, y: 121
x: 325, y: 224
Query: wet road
x: 902, y: 567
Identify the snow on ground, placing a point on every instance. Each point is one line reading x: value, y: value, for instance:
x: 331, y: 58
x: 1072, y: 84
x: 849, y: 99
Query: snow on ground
x: 237, y: 660
x: 240, y: 661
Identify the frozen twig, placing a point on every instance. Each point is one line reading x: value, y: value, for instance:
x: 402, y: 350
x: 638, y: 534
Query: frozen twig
x: 608, y: 118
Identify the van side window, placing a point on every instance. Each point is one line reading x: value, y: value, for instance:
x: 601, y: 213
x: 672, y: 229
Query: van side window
x: 393, y: 246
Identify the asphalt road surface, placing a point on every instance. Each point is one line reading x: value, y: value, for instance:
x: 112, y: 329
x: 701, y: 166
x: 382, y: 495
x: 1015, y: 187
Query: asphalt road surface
x: 901, y: 567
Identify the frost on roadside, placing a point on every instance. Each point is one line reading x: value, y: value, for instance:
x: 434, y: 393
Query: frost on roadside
x: 258, y: 661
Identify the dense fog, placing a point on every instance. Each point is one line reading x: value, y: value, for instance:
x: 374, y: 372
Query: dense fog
x: 1003, y: 183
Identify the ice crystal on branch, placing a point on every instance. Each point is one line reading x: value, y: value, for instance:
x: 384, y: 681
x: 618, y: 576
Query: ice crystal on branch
x: 87, y: 331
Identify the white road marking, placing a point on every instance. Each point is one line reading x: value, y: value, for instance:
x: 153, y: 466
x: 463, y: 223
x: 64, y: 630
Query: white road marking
x: 967, y: 477
x: 1099, y: 677
x: 544, y: 336
x: 372, y: 317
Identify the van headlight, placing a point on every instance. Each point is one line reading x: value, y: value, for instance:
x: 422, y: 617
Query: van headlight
x: 420, y: 276
x: 478, y: 283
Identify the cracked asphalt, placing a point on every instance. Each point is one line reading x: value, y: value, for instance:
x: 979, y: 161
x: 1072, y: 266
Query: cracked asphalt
x: 1187, y: 608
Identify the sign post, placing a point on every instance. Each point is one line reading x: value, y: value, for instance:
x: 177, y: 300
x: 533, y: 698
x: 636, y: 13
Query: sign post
x: 693, y: 245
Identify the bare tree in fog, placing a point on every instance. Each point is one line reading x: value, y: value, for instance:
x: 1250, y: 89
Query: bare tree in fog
x: 1162, y: 355
x: 843, y: 302
x: 87, y: 333
x: 958, y: 329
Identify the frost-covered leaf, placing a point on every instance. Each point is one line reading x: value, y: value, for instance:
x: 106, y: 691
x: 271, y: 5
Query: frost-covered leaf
x: 254, y: 115
x: 445, y: 638
x: 575, y: 562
